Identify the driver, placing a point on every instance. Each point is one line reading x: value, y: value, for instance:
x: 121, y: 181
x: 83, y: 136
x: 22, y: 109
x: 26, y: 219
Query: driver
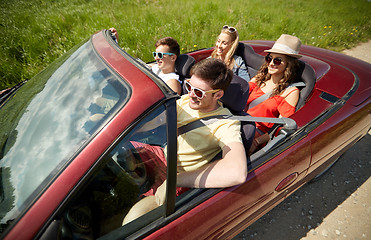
x: 197, y: 148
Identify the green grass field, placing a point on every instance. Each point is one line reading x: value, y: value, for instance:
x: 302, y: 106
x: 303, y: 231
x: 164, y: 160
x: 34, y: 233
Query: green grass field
x: 35, y: 32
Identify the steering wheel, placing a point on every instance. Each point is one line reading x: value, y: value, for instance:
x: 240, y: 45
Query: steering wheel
x: 129, y: 159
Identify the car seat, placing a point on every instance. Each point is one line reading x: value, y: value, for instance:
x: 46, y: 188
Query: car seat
x: 235, y: 98
x: 183, y: 66
x: 252, y: 59
x: 308, y: 76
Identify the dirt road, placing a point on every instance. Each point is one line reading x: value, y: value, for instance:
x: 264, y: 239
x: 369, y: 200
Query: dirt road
x: 336, y: 206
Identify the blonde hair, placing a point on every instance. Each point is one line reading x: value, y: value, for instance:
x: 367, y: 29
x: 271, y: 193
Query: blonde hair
x: 229, y: 60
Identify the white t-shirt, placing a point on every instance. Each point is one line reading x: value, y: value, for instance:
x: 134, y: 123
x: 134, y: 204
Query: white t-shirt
x: 165, y: 76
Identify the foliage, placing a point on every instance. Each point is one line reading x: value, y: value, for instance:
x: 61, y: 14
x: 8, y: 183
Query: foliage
x: 36, y: 32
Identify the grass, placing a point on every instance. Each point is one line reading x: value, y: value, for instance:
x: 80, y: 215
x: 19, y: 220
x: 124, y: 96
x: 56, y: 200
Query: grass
x: 36, y: 32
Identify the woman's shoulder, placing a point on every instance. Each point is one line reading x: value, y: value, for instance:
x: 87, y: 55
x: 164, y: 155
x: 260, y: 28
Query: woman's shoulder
x: 291, y: 95
x: 239, y: 62
x: 238, y: 59
x: 253, y: 80
x: 290, y: 90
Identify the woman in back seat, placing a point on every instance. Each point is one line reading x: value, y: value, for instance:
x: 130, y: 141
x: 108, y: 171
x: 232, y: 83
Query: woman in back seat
x: 271, y: 94
x: 225, y: 48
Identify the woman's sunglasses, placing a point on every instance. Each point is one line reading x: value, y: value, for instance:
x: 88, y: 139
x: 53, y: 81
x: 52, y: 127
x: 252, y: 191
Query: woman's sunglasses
x: 199, y: 93
x: 276, y: 61
x: 160, y: 55
x: 230, y: 29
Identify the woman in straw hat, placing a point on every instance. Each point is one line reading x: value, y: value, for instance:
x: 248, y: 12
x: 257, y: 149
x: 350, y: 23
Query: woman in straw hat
x: 271, y: 94
x: 225, y: 48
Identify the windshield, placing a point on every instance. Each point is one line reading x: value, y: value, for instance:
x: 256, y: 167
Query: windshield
x: 48, y: 120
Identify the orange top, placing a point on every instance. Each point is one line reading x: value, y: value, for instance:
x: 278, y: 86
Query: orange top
x: 271, y: 107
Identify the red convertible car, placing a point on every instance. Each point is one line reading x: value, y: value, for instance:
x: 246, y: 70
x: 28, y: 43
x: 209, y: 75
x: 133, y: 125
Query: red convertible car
x: 70, y: 167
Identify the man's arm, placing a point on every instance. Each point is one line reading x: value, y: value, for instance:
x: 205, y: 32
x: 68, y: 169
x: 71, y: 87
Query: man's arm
x: 116, y: 34
x: 175, y: 86
x: 228, y: 171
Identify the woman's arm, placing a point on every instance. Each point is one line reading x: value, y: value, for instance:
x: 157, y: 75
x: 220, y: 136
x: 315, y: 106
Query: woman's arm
x: 240, y: 68
x: 291, y: 96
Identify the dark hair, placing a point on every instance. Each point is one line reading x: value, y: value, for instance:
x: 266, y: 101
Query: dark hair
x: 171, y: 43
x: 214, y: 71
x: 290, y: 75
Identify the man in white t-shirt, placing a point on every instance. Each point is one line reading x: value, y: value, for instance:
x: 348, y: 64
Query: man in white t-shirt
x: 167, y: 52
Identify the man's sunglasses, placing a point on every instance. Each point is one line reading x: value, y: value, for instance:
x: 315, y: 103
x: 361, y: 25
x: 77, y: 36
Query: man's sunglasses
x: 230, y: 29
x: 199, y: 93
x: 276, y: 61
x: 160, y: 55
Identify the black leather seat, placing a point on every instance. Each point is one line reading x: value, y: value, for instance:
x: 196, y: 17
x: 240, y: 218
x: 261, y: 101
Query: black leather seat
x: 308, y: 76
x: 235, y: 98
x: 183, y: 66
x: 251, y: 58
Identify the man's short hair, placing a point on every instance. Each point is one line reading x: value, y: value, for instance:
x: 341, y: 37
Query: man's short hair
x: 171, y: 43
x: 214, y: 71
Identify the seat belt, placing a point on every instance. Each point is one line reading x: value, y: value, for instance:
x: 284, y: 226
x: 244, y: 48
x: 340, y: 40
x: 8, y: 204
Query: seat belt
x: 266, y: 95
x: 288, y: 123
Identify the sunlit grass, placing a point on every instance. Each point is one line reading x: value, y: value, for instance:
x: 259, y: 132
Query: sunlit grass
x: 35, y: 32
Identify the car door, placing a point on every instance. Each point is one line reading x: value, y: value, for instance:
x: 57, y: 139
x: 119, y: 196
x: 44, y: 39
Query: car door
x: 122, y: 177
x: 221, y: 213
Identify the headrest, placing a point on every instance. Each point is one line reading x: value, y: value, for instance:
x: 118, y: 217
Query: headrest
x: 235, y: 97
x: 308, y: 76
x: 183, y: 65
x: 251, y: 58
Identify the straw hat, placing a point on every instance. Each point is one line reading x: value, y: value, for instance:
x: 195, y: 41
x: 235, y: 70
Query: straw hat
x: 288, y: 45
